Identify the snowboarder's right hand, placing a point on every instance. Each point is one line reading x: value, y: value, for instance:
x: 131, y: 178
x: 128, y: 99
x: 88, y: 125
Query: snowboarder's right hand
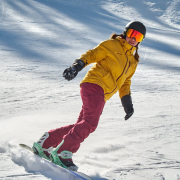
x: 71, y: 72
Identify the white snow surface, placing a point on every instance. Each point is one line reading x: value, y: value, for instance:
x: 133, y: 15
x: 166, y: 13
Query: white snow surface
x: 40, y: 38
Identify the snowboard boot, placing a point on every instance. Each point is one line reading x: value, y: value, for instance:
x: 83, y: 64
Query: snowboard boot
x: 63, y: 159
x: 39, y: 150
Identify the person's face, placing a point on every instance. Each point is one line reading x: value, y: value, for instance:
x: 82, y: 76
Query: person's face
x: 131, y: 41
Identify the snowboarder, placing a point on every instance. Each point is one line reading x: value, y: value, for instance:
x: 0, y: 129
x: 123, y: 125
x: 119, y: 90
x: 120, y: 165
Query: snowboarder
x: 115, y: 64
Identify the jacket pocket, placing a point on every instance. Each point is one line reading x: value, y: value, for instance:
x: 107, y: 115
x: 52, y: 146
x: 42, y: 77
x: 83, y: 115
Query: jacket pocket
x: 110, y: 84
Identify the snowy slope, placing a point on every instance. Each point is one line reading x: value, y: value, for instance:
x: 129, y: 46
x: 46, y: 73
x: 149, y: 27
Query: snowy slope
x: 40, y: 38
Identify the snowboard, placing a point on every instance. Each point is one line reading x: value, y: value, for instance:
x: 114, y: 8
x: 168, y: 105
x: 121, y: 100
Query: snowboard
x: 72, y: 174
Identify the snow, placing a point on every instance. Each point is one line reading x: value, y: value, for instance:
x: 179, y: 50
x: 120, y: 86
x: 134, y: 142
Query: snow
x: 39, y: 39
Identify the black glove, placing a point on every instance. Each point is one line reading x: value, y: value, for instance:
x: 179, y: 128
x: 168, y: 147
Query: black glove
x: 128, y: 106
x: 71, y: 72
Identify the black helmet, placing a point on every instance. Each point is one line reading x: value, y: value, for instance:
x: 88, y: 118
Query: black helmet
x: 136, y: 25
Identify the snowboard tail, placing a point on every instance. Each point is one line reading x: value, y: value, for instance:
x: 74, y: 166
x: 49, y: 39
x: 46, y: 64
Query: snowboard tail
x: 78, y: 175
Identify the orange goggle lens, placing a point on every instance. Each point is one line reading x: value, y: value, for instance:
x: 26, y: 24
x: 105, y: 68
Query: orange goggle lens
x: 136, y: 34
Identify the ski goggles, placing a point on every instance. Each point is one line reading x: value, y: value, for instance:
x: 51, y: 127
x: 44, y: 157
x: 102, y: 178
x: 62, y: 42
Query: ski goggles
x: 136, y: 34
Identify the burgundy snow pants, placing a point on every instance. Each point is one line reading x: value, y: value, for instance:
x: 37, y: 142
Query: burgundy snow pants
x: 93, y: 103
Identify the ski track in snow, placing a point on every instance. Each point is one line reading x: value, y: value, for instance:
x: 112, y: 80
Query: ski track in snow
x: 39, y: 39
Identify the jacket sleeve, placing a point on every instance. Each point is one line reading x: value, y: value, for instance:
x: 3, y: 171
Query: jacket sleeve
x: 96, y: 54
x: 125, y: 89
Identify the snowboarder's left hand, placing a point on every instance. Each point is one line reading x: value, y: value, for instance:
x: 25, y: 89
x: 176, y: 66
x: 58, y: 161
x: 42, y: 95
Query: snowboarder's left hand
x: 71, y: 72
x: 128, y: 106
x: 129, y: 112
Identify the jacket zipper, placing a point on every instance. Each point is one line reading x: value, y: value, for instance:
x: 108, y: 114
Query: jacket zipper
x: 120, y: 75
x: 128, y: 67
x: 123, y: 69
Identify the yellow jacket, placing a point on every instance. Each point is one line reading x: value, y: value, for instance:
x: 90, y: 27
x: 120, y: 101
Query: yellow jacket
x: 114, y: 66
